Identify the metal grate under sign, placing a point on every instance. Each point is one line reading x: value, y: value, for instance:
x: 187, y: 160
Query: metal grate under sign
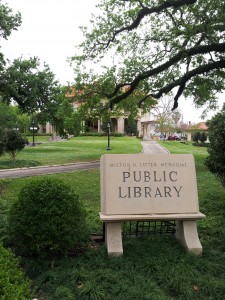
x: 145, y: 228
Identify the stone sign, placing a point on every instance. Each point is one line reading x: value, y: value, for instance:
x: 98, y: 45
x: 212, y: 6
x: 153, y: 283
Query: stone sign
x: 147, y: 186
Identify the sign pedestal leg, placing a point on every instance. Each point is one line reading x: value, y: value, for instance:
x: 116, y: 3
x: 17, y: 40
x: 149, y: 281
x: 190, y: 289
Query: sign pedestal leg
x: 187, y: 234
x: 114, y: 238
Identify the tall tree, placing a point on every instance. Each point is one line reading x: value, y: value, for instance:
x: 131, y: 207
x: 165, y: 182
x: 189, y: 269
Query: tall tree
x: 33, y: 88
x: 166, y: 118
x: 8, y: 117
x: 8, y: 23
x: 63, y: 113
x: 158, y: 47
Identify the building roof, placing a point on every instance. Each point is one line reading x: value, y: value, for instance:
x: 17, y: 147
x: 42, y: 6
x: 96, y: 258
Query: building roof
x: 199, y: 126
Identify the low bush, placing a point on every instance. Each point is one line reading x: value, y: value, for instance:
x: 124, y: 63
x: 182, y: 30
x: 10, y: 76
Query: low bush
x: 196, y: 136
x: 13, y: 284
x: 116, y: 134
x: 12, y: 142
x: 93, y: 133
x: 47, y: 219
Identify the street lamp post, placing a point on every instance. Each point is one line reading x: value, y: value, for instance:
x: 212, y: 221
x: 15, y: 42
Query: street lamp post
x: 108, y: 127
x: 33, y: 127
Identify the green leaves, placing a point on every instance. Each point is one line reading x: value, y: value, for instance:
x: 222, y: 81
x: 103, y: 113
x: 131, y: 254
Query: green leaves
x: 165, y: 44
x: 32, y: 87
x: 8, y: 21
x: 48, y: 219
x: 11, y: 141
x: 216, y: 149
x: 13, y: 283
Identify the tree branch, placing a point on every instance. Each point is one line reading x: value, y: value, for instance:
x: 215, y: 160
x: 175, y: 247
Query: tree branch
x: 148, y: 11
x: 179, y: 82
x: 199, y: 49
x: 184, y: 79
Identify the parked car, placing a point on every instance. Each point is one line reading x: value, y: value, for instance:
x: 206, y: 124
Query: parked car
x: 173, y: 138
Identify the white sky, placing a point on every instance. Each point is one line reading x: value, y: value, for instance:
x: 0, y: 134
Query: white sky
x: 50, y: 31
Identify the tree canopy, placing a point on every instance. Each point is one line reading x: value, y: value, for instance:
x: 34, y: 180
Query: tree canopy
x: 156, y: 47
x: 8, y: 23
x: 167, y: 120
x: 27, y: 82
x: 8, y: 116
x: 32, y: 87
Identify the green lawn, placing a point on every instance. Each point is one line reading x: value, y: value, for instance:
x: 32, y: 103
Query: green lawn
x: 74, y: 150
x: 182, y: 148
x: 155, y: 268
x: 39, y: 138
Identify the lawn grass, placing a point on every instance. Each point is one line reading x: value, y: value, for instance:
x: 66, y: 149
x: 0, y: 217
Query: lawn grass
x: 39, y: 138
x: 182, y: 148
x: 156, y: 268
x: 74, y: 150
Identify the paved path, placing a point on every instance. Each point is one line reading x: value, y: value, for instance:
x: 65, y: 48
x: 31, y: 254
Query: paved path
x: 153, y: 147
x: 34, y: 171
x: 148, y: 147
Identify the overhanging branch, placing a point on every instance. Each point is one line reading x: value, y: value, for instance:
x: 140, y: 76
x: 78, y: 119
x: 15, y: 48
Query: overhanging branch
x: 145, y: 11
x: 181, y: 82
x: 199, y: 49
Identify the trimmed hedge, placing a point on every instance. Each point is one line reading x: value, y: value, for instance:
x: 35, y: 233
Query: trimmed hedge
x: 13, y: 283
x: 116, y: 134
x: 47, y: 219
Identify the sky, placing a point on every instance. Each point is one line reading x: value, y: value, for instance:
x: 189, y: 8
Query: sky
x: 50, y: 31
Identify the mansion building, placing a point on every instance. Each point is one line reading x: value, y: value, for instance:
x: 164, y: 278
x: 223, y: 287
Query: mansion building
x: 146, y: 123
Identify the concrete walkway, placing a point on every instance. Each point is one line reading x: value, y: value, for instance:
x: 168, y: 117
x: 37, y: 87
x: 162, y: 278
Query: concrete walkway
x: 148, y: 147
x: 44, y: 170
x: 153, y: 147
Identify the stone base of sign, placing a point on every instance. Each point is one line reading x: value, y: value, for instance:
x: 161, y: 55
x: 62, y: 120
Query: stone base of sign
x: 186, y: 230
x: 187, y: 235
x: 113, y: 238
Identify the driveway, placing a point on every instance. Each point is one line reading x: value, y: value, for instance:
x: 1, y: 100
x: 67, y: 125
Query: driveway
x: 148, y: 147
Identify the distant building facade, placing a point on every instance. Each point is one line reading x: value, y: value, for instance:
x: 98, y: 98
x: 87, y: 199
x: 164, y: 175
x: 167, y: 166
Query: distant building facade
x: 146, y: 122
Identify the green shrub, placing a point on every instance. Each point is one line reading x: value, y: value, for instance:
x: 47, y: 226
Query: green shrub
x: 196, y: 136
x: 216, y: 148
x: 203, y: 137
x: 93, y: 133
x: 13, y: 284
x: 47, y: 219
x: 13, y: 142
x: 131, y: 125
x: 116, y: 134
